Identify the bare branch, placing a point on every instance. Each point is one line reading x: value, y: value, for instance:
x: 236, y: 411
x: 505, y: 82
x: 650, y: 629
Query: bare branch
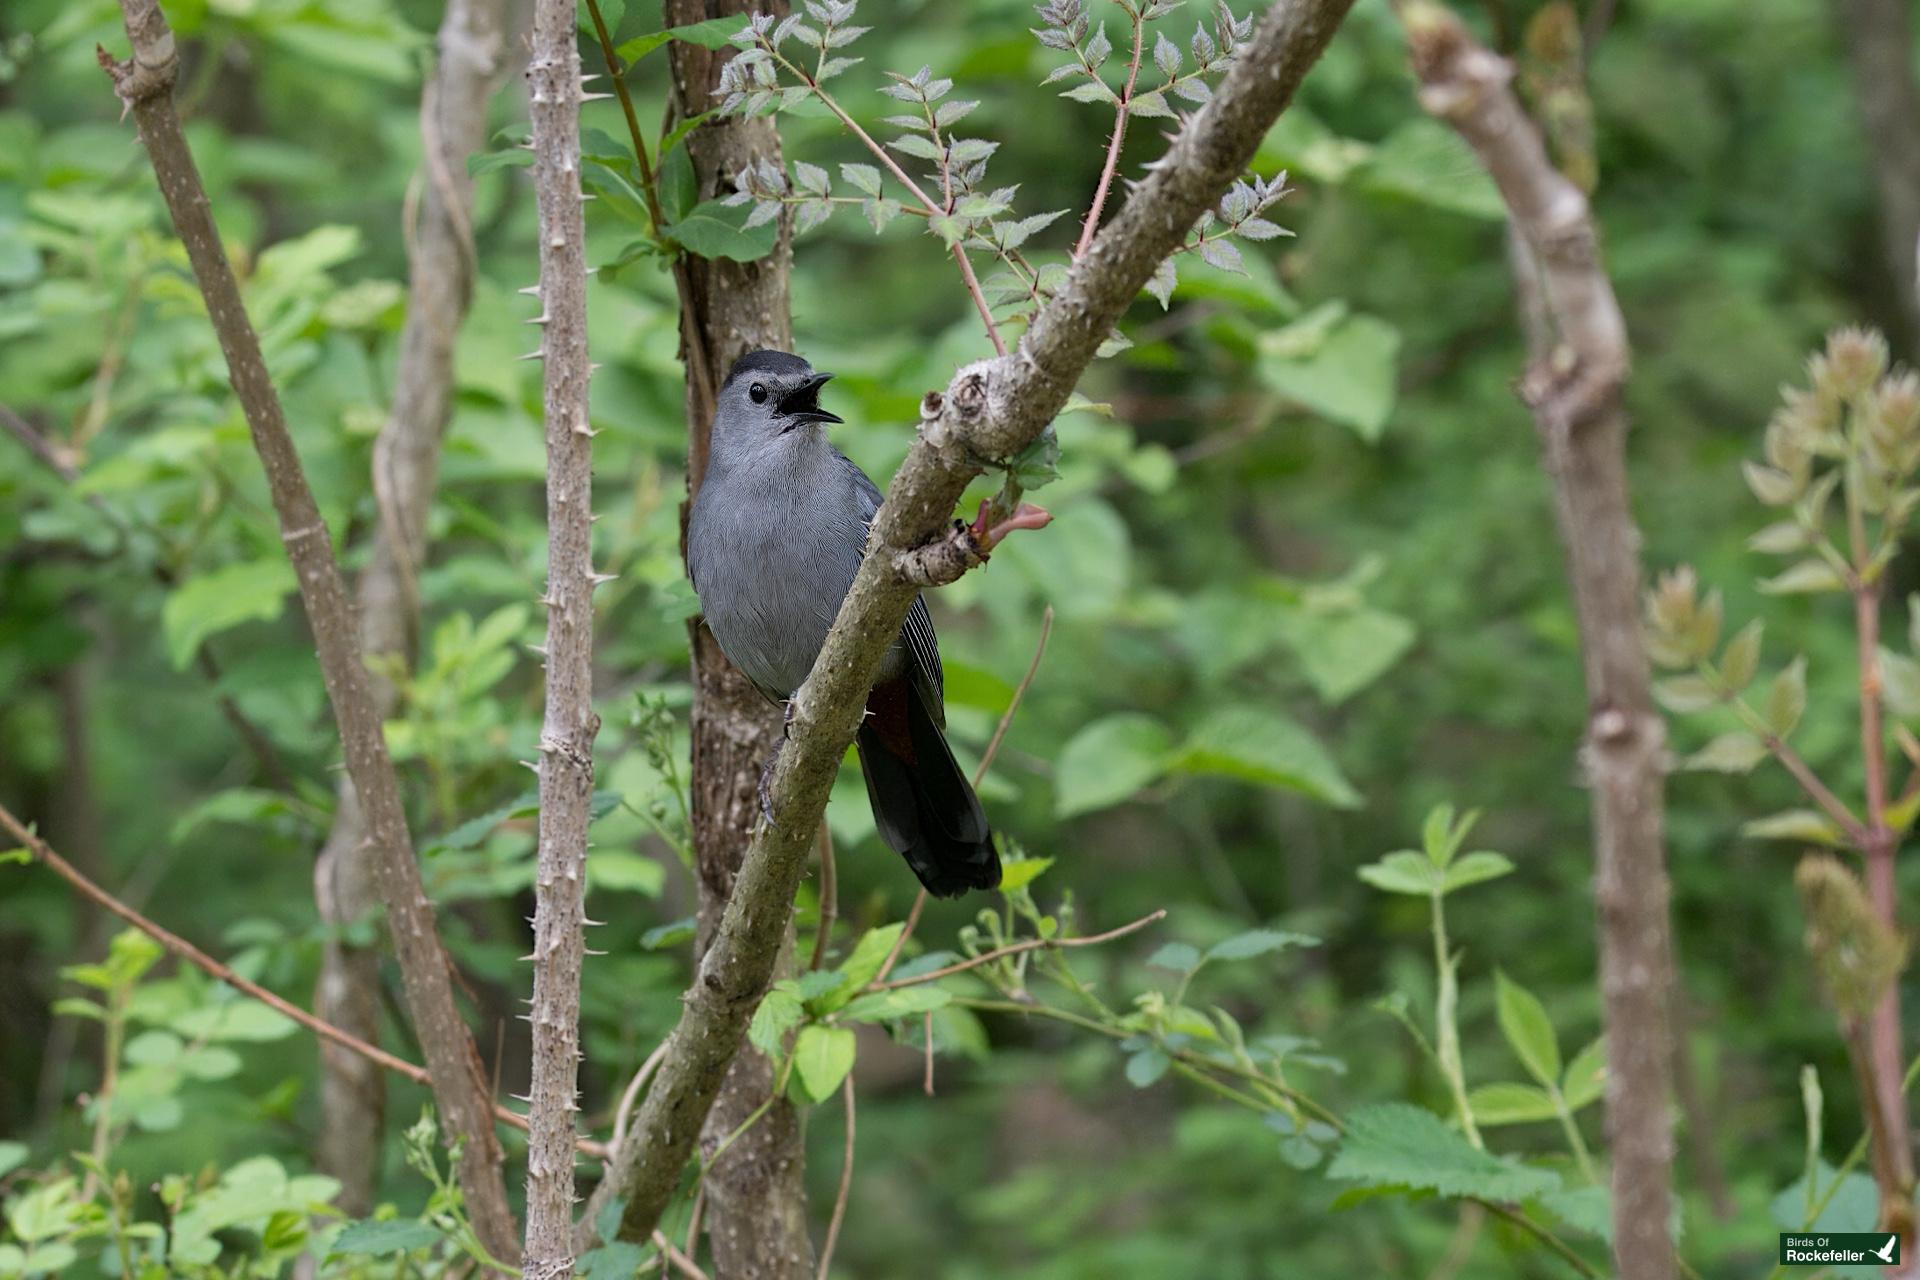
x: 1573, y: 388
x: 145, y: 84
x: 1016, y: 948
x: 992, y: 410
x: 846, y: 1180
x: 569, y: 727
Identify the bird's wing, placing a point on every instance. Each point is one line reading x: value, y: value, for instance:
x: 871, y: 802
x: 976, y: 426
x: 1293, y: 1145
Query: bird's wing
x: 923, y: 647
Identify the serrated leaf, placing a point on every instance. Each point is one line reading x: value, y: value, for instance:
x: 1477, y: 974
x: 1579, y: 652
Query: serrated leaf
x: 1147, y: 1066
x: 885, y: 1006
x: 968, y: 151
x: 379, y: 1239
x: 1108, y: 761
x: 1773, y: 488
x: 1151, y: 105
x: 863, y: 177
x: 1740, y: 660
x: 1806, y: 577
x: 1258, y: 942
x: 1528, y: 1029
x: 860, y: 967
x: 1267, y: 748
x: 1684, y: 694
x: 822, y: 1056
x: 1782, y: 538
x: 779, y: 1012
x: 1900, y: 684
x: 1092, y: 90
x: 1396, y: 1145
x: 1734, y: 752
x: 1787, y: 698
x: 1403, y: 871
x: 1498, y: 1104
x: 1166, y: 56
x: 1161, y: 286
x: 1221, y: 254
x: 912, y: 144
x: 1176, y: 957
x: 1586, y: 1077
x: 1794, y: 824
x: 1474, y: 868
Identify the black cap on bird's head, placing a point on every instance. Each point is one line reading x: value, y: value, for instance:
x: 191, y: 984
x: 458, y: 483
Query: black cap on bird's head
x: 784, y: 384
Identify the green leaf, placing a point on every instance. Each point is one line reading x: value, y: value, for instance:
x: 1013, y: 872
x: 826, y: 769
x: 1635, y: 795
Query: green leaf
x: 1404, y: 871
x: 822, y: 1056
x: 1586, y: 1209
x: 1474, y: 868
x: 1497, y: 1104
x: 1685, y: 694
x: 1147, y: 1066
x: 1740, y: 660
x: 1018, y: 873
x: 1586, y: 1077
x: 1734, y: 752
x: 868, y: 955
x: 671, y: 934
x: 1524, y: 1021
x: 12, y: 1156
x: 1346, y: 370
x: 1795, y: 824
x: 1109, y: 760
x: 377, y: 1239
x: 1900, y: 682
x: 618, y: 869
x: 712, y: 230
x: 714, y: 33
x: 779, y: 1012
x: 619, y: 1260
x: 1265, y: 747
x: 1178, y: 957
x: 209, y: 603
x: 1343, y: 651
x: 1787, y: 698
x: 1396, y: 1145
x: 1808, y: 576
x: 885, y: 1006
x: 1425, y: 161
x: 1258, y: 942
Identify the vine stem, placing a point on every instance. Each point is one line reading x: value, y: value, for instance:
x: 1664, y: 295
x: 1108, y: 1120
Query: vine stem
x: 1015, y: 948
x: 846, y: 1183
x: 1092, y: 224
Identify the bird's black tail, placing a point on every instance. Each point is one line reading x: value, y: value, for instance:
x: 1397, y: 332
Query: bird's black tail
x: 922, y: 803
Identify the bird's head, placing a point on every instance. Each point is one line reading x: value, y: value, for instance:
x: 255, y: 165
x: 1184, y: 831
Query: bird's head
x: 768, y: 394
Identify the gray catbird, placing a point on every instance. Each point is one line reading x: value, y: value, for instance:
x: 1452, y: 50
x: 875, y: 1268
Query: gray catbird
x: 775, y: 537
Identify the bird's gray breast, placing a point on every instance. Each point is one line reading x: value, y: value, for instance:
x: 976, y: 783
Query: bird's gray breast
x: 773, y: 546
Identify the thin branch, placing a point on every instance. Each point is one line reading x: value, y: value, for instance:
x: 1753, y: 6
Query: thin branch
x: 829, y: 898
x: 1816, y: 790
x: 678, y: 1260
x: 631, y: 1095
x: 569, y: 726
x: 991, y: 410
x: 846, y: 1184
x: 145, y: 84
x: 1574, y: 392
x: 1015, y: 948
x: 1120, y: 113
x: 44, y: 853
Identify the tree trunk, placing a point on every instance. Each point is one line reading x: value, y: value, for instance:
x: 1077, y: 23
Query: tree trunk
x: 406, y: 461
x: 756, y: 1207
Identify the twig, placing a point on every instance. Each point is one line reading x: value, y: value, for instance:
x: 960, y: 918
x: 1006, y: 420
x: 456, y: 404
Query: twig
x: 678, y: 1260
x: 1574, y: 391
x: 631, y: 1095
x: 991, y: 410
x: 979, y: 775
x: 846, y: 1183
x: 569, y: 725
x: 1818, y: 791
x: 44, y: 853
x: 145, y: 84
x: 829, y: 898
x: 1120, y: 113
x: 1015, y: 948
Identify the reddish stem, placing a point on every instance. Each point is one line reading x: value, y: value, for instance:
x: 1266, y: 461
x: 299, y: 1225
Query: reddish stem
x: 1092, y: 224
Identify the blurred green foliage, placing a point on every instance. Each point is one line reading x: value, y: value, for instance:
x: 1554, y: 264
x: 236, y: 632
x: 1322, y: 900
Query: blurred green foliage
x: 1306, y: 589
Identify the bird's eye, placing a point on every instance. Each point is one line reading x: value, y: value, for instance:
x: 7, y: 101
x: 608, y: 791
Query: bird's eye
x: 758, y: 392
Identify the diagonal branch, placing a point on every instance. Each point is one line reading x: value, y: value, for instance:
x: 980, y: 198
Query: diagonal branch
x: 568, y: 729
x: 1573, y: 387
x: 991, y: 410
x: 145, y: 84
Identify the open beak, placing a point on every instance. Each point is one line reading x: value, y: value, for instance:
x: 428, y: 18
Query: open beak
x: 802, y: 404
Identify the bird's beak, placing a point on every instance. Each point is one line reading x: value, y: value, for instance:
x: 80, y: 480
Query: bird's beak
x: 802, y: 404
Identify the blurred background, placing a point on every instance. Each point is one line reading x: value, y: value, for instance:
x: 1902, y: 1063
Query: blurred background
x: 1315, y: 506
